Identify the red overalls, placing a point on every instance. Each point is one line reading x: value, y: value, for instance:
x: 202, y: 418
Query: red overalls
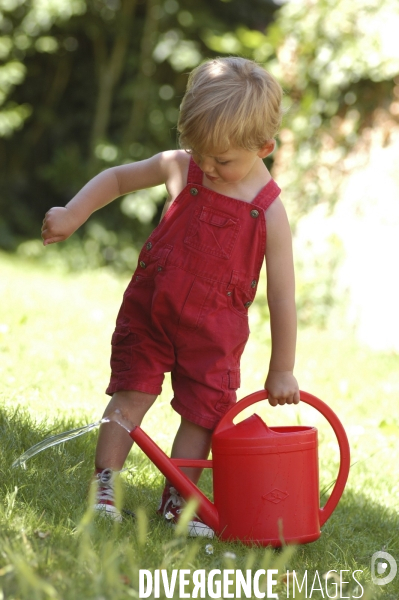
x: 185, y: 309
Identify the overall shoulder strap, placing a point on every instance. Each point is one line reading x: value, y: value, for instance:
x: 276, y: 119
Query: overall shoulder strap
x: 195, y: 174
x: 267, y: 195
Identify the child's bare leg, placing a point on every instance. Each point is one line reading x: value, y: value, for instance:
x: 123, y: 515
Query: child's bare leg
x: 114, y: 442
x: 191, y: 441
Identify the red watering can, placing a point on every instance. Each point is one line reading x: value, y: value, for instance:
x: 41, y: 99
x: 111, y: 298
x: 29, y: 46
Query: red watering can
x: 265, y: 479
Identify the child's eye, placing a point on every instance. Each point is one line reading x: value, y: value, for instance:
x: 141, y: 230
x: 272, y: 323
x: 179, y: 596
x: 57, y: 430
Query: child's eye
x: 219, y: 162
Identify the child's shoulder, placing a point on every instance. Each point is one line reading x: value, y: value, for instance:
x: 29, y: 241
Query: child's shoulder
x: 175, y: 165
x: 175, y: 159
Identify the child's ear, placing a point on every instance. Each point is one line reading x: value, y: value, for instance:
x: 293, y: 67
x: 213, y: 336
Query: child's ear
x: 267, y: 148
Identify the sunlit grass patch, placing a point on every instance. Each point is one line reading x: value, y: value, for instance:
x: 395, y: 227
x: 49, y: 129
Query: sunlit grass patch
x: 54, y: 345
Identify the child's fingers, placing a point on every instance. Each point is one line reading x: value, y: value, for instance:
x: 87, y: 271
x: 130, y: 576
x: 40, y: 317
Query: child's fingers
x: 290, y: 398
x: 45, y: 233
x: 49, y: 236
x: 52, y: 240
x: 274, y: 401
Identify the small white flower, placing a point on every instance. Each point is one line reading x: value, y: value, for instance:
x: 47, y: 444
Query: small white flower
x: 169, y: 516
x: 209, y: 549
x: 230, y: 555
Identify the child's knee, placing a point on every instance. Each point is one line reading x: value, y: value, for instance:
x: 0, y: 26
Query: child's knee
x: 131, y: 401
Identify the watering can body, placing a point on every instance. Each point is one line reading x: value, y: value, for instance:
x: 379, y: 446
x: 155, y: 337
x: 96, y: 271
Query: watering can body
x: 266, y: 483
x: 265, y: 479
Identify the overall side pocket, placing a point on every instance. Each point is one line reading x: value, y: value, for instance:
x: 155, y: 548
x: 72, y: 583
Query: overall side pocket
x: 121, y: 356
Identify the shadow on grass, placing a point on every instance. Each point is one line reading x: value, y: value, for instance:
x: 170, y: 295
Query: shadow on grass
x: 52, y: 495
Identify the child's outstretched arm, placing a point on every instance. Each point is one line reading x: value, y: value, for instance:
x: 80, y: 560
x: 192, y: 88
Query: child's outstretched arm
x: 61, y: 222
x: 281, y: 383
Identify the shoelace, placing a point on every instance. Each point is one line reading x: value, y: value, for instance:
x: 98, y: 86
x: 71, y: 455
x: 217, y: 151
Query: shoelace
x: 196, y: 526
x: 175, y: 500
x: 105, y: 481
x: 105, y: 485
x: 175, y: 497
x: 178, y: 502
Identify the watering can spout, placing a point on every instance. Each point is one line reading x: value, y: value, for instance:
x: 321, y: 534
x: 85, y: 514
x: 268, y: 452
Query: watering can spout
x: 206, y: 511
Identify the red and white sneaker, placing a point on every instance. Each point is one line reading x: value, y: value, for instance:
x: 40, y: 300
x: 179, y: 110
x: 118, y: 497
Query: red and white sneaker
x: 171, y: 506
x: 105, y: 494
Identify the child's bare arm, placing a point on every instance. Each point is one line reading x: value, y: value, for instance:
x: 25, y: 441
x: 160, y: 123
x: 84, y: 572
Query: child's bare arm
x: 61, y: 222
x: 281, y: 383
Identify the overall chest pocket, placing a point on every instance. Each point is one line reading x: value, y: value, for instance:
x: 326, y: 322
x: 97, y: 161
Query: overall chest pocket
x: 213, y: 232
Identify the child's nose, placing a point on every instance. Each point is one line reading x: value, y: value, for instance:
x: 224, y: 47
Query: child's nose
x: 207, y: 165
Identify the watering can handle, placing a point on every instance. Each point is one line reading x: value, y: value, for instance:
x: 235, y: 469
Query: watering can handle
x: 335, y: 423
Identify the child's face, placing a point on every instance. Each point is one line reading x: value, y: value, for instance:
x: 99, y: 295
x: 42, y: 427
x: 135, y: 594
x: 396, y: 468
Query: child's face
x: 231, y: 166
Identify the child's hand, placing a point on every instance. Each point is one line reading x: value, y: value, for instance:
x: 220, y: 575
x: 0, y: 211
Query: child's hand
x: 58, y: 224
x: 282, y: 388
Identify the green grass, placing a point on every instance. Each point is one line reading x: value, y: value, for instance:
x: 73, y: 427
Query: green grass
x: 54, y: 351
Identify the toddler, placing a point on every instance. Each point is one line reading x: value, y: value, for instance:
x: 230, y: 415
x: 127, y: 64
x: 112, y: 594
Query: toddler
x: 185, y: 310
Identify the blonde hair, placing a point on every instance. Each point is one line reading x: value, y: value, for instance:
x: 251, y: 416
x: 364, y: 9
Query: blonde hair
x: 229, y: 102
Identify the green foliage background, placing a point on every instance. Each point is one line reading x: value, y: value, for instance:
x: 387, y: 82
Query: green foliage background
x: 92, y: 83
x: 86, y: 84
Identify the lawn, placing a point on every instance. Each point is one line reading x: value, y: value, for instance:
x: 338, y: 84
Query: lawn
x: 55, y: 330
